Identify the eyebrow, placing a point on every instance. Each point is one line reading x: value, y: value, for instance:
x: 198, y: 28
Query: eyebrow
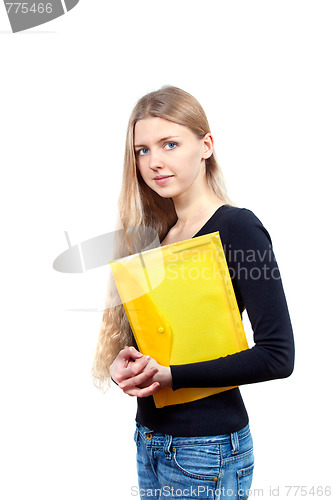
x: 160, y: 140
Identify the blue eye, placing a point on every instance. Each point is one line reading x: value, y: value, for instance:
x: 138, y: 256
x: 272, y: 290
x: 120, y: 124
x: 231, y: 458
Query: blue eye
x: 140, y: 151
x: 174, y: 143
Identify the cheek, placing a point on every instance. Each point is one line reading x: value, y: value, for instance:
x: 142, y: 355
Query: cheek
x: 140, y: 168
x: 190, y: 163
x: 143, y: 171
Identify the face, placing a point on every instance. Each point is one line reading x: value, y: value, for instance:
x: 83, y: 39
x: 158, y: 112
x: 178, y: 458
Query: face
x: 170, y: 157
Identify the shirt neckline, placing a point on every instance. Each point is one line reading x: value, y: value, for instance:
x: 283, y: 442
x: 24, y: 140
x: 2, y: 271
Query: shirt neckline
x: 210, y: 219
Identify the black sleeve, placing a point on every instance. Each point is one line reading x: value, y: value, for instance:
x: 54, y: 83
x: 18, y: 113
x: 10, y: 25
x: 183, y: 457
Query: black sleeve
x: 258, y: 286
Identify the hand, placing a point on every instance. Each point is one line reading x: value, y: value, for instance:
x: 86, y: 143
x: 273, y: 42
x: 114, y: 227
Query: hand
x: 129, y: 371
x: 162, y: 376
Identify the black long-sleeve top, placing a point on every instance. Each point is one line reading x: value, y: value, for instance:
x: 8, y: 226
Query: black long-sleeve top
x: 258, y: 289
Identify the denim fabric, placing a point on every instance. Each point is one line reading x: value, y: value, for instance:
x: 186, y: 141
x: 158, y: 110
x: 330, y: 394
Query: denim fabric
x: 207, y: 467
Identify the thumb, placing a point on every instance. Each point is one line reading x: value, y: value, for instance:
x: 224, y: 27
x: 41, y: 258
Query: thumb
x: 130, y: 352
x: 134, y: 353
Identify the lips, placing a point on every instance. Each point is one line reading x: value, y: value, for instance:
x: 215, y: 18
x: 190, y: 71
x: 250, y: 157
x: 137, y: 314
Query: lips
x: 162, y: 179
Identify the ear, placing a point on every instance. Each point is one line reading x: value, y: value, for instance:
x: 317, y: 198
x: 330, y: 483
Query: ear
x: 208, y: 146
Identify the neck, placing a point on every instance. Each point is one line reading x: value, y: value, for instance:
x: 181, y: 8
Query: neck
x: 193, y: 208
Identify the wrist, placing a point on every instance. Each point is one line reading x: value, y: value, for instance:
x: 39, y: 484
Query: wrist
x: 166, y: 377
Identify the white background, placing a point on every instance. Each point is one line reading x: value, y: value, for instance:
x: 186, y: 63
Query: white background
x: 263, y: 72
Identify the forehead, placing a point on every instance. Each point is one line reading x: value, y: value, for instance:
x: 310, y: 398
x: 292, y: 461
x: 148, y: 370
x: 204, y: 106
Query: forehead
x: 155, y: 128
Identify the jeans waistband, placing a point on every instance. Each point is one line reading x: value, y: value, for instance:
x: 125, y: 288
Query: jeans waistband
x: 158, y: 438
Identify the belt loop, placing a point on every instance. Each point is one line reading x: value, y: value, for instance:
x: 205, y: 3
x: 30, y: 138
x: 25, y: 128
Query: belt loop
x: 234, y: 443
x: 167, y: 445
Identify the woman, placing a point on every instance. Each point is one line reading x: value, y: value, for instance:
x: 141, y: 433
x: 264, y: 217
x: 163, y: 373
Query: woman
x: 172, y: 182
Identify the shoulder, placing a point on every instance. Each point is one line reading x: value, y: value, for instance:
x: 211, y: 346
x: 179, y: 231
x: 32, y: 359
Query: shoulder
x: 243, y: 226
x: 239, y: 215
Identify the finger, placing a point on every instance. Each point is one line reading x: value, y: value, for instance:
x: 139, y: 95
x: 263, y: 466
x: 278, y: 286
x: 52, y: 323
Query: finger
x: 138, y: 379
x: 124, y: 356
x: 135, y: 353
x: 133, y: 368
x: 143, y: 393
x: 129, y: 352
x: 139, y: 365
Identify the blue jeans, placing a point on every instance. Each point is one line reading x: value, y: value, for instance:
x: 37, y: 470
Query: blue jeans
x: 207, y: 467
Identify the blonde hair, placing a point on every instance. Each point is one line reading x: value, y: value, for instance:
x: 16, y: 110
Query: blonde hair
x: 139, y: 205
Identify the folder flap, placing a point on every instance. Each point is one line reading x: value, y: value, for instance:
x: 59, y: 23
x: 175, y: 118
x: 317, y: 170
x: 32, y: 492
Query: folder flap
x: 153, y: 334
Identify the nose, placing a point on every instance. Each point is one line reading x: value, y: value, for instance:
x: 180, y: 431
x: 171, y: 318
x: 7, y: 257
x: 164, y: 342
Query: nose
x: 155, y: 160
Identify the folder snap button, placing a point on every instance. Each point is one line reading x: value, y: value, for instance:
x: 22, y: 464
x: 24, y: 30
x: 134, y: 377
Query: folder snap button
x: 149, y: 436
x: 161, y: 329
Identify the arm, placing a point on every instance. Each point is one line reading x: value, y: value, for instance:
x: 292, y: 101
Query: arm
x: 258, y: 288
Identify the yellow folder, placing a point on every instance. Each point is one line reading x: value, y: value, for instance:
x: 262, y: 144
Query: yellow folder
x: 181, y: 306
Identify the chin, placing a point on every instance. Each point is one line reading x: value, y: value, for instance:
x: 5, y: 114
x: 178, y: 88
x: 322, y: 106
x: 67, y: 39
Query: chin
x: 164, y: 195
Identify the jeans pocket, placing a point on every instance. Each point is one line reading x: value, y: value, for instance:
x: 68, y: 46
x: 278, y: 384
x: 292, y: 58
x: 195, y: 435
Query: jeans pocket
x: 198, y: 462
x: 244, y: 481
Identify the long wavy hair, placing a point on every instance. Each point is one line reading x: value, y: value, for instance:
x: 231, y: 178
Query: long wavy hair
x: 139, y: 205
